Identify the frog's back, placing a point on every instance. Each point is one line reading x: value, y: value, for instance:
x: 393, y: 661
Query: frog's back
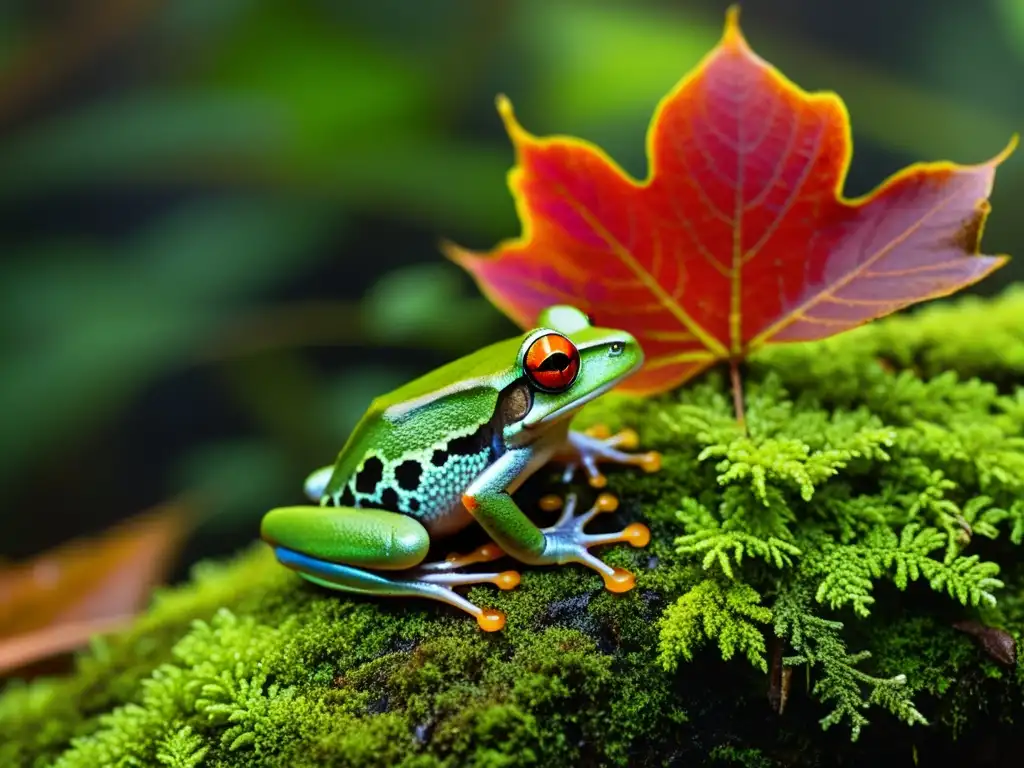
x: 417, y: 448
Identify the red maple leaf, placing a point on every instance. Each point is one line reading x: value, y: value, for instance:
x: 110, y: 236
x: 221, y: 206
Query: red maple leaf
x: 740, y: 236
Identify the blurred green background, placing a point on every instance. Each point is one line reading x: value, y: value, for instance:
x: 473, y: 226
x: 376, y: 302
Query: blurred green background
x: 219, y: 219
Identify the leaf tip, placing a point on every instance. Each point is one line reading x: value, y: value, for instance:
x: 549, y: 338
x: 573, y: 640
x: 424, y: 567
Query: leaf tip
x: 508, y: 116
x: 504, y: 105
x: 733, y: 35
x: 454, y: 253
x: 1009, y: 149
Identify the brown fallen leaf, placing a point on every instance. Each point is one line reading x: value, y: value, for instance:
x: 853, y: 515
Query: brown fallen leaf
x: 54, y: 603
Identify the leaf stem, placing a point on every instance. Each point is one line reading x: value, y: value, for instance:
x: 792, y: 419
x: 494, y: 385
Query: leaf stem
x: 737, y: 392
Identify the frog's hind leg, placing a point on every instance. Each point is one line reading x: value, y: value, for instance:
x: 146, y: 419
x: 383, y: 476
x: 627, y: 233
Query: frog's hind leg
x: 342, y: 548
x: 597, y: 445
x: 435, y: 586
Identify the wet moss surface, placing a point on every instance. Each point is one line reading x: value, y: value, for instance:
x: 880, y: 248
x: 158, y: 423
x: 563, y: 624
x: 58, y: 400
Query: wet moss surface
x: 854, y: 560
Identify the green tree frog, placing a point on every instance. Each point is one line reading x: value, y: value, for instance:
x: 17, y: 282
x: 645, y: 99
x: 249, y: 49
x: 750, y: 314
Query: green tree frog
x: 450, y: 448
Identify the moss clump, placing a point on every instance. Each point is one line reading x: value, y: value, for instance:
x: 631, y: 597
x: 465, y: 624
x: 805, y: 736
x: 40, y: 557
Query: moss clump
x: 876, y: 505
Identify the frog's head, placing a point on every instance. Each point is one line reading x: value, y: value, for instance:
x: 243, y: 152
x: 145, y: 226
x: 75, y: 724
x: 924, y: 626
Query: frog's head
x: 567, y: 362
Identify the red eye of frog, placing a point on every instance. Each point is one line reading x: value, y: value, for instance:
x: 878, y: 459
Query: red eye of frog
x: 552, y: 363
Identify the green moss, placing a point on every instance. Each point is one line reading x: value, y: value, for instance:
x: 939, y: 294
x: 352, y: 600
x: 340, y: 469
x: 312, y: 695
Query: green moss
x: 877, y: 500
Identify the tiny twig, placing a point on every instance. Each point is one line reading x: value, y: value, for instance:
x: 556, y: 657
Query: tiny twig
x: 779, y: 676
x: 287, y: 327
x: 90, y: 31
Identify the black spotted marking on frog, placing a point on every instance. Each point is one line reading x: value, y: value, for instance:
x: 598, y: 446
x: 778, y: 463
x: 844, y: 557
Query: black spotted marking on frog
x: 389, y: 500
x: 481, y: 441
x: 369, y: 475
x: 431, y: 488
x: 471, y: 445
x: 348, y: 499
x: 408, y: 475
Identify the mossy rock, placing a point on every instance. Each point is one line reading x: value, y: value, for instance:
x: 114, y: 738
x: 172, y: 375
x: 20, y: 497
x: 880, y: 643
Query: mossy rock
x: 876, y: 505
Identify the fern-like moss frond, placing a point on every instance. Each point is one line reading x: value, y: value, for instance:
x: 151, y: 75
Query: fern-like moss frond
x: 724, y: 612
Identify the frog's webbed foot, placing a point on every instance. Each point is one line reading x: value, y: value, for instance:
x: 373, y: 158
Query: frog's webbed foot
x: 597, y: 445
x: 443, y: 575
x: 565, y: 541
x: 484, y: 554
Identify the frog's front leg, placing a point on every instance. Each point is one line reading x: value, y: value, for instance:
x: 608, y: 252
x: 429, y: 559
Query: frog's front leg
x: 597, y: 445
x: 488, y: 500
x: 342, y: 548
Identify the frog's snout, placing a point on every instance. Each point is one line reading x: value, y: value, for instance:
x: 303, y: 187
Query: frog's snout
x: 637, y: 351
x: 627, y: 352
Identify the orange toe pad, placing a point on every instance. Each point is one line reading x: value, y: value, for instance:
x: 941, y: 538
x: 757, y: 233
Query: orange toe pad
x: 620, y: 581
x: 491, y: 620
